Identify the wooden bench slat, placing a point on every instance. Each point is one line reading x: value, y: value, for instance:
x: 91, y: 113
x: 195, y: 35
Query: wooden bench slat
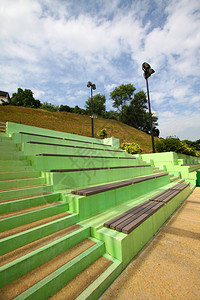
x: 88, y: 156
x: 179, y: 186
x: 72, y: 146
x: 131, y: 226
x: 108, y: 223
x: 160, y: 197
x: 110, y: 186
x: 133, y: 214
x: 59, y: 138
x: 133, y: 217
x: 146, y: 210
x: 96, y: 169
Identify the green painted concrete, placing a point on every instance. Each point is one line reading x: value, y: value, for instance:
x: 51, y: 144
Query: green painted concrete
x: 16, y: 193
x: 23, y: 238
x: 94, y: 204
x: 16, y: 128
x: 32, y: 216
x: 78, y: 179
x: 30, y: 149
x: 91, y: 211
x: 172, y: 161
x: 55, y: 281
x: 47, y: 163
x: 16, y: 183
x: 28, y: 202
x: 24, y: 138
x: 103, y: 281
x: 18, y: 175
x: 23, y: 265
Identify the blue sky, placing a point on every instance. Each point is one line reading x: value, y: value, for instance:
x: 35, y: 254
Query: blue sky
x: 53, y: 47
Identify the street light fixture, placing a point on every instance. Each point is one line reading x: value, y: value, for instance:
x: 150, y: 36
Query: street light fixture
x: 93, y: 87
x: 148, y: 71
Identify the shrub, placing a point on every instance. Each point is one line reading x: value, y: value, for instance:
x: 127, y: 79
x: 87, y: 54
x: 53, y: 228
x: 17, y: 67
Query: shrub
x: 131, y: 148
x: 102, y: 133
x: 174, y: 144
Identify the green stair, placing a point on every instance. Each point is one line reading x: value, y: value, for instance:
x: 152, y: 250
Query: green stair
x: 53, y: 243
x: 37, y: 230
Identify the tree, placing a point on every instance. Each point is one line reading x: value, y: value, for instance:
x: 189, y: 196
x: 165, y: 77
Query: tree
x: 25, y: 98
x: 65, y: 108
x: 50, y: 107
x: 132, y: 108
x: 78, y: 110
x: 121, y: 95
x: 99, y: 106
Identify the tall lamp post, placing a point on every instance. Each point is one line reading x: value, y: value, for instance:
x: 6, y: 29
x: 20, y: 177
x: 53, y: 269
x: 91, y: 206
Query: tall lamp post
x: 147, y: 73
x: 93, y: 87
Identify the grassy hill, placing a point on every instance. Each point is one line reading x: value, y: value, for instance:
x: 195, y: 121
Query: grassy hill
x: 74, y: 123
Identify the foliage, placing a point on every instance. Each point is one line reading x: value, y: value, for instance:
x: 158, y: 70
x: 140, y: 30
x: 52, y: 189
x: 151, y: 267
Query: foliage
x: 50, y: 107
x: 99, y: 106
x: 78, y: 110
x: 135, y: 112
x: 66, y: 108
x: 195, y: 144
x: 111, y: 115
x: 121, y: 95
x: 131, y: 148
x: 24, y: 98
x: 174, y: 144
x: 102, y: 133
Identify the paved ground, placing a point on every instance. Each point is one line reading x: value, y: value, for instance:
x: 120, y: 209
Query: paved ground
x: 169, y: 266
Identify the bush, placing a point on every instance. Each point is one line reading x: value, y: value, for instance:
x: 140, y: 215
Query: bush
x: 102, y: 133
x: 174, y: 144
x: 131, y: 148
x: 50, y: 107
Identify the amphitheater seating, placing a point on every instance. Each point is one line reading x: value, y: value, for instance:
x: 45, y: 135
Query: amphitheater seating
x: 110, y: 186
x: 74, y: 203
x: 132, y: 218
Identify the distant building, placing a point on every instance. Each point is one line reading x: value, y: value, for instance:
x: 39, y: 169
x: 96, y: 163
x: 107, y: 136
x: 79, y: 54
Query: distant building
x: 4, y: 97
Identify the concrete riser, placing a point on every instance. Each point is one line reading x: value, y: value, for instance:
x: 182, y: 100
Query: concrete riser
x: 23, y: 192
x: 15, y: 205
x: 90, y: 205
x: 36, y: 258
x: 19, y: 175
x: 78, y: 179
x: 15, y: 183
x: 59, y: 162
x: 23, y: 238
x: 26, y: 218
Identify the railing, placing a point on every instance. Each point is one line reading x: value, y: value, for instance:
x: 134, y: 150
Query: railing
x: 2, y: 127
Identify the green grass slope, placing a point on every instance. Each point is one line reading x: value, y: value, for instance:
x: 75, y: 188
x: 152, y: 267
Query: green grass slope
x: 74, y: 123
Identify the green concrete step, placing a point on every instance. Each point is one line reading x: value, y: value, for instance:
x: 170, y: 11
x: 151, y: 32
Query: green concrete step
x: 45, y: 162
x: 12, y: 156
x: 13, y: 163
x: 18, y: 183
x: 7, y: 146
x: 17, y: 263
x: 31, y: 201
x: 18, y: 175
x: 24, y: 138
x: 25, y: 234
x: 33, y: 149
x: 88, y: 206
x: 16, y: 168
x: 84, y: 178
x: 44, y: 286
x: 25, y: 191
x: 24, y: 216
x: 98, y: 286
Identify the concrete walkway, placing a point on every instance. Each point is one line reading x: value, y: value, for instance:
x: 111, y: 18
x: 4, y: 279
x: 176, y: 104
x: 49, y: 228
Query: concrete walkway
x: 169, y: 266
